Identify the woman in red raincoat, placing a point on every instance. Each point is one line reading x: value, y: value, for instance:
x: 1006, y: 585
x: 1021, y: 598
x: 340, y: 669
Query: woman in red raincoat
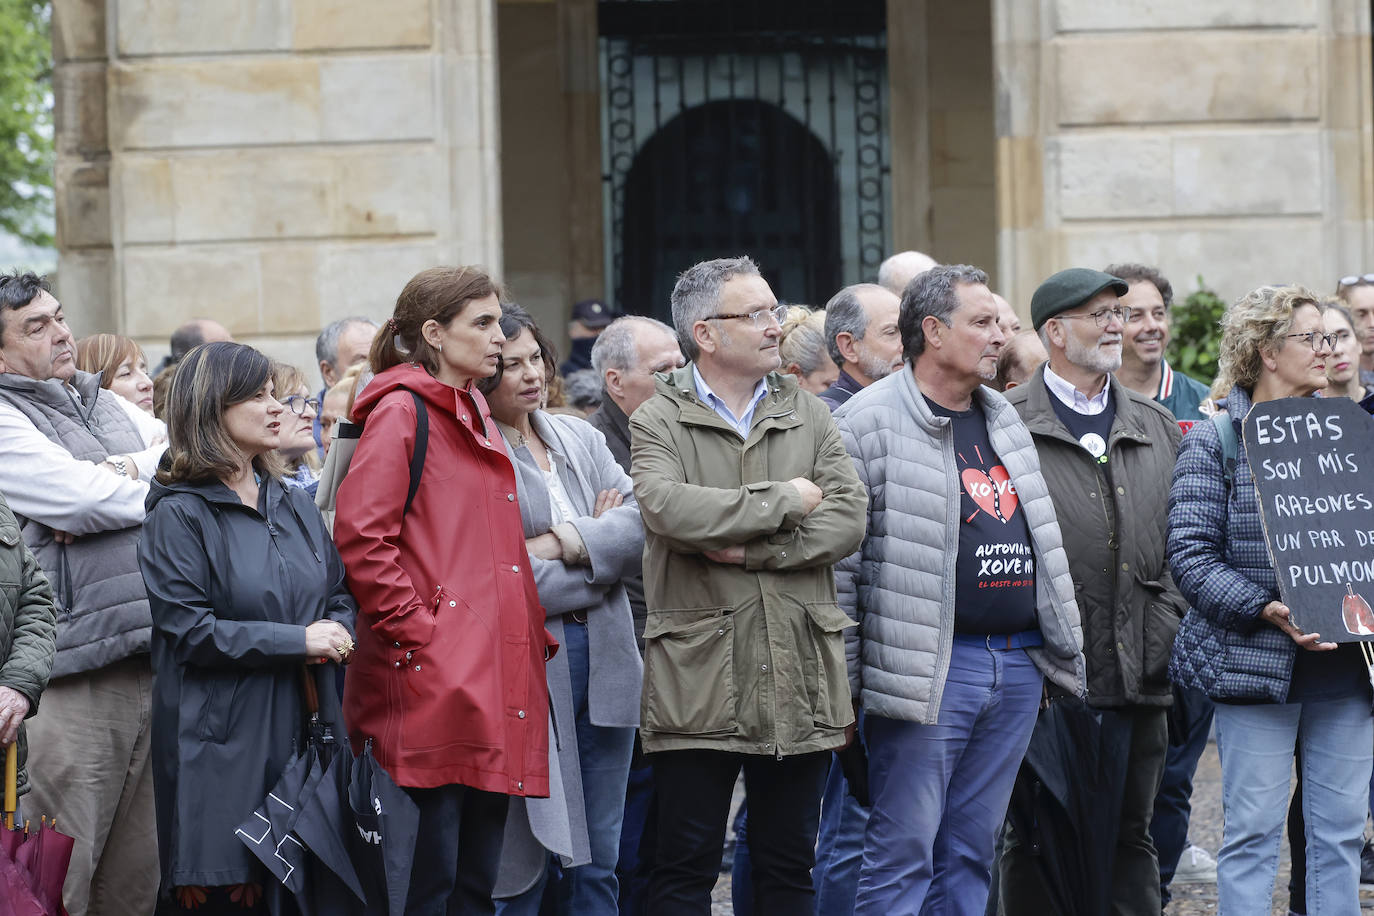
x: 447, y: 680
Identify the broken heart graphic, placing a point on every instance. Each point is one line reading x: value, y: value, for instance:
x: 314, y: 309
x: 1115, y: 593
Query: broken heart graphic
x: 991, y: 490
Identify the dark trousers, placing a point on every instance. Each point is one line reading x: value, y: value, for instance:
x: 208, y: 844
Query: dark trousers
x: 457, y: 851
x: 1135, y: 867
x: 694, y: 789
x: 638, y: 835
x: 1190, y: 719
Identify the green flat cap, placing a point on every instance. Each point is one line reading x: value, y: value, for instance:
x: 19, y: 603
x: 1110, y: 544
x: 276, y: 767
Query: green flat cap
x: 1070, y: 288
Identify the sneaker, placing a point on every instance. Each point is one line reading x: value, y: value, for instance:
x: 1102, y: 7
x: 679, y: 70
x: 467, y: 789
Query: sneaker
x: 1367, y: 866
x: 1195, y: 866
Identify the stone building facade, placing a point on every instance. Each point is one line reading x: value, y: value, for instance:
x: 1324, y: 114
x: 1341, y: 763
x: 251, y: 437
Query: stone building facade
x: 276, y: 164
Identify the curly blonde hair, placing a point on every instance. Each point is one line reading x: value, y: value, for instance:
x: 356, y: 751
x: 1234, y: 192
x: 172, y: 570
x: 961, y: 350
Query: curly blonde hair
x: 1252, y: 324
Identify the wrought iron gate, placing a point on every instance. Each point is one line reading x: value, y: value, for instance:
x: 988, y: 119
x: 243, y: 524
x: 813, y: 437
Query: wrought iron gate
x: 743, y: 127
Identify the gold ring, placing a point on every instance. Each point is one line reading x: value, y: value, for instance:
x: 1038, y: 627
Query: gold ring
x: 345, y: 647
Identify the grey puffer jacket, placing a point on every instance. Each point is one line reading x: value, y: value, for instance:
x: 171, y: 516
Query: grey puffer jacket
x: 898, y: 584
x: 28, y: 632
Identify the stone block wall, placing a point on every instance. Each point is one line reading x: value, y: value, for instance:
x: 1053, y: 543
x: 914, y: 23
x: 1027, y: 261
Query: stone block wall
x: 273, y: 164
x: 1231, y: 140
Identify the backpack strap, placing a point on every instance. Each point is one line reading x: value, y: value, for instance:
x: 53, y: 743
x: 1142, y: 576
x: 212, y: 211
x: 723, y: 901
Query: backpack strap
x: 1226, y: 432
x: 417, y: 455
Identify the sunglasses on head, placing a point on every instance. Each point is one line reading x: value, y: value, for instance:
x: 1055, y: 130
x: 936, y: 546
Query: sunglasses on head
x: 1353, y: 280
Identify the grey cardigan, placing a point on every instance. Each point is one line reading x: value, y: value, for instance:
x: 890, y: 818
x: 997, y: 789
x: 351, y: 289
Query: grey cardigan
x: 897, y: 584
x: 615, y: 548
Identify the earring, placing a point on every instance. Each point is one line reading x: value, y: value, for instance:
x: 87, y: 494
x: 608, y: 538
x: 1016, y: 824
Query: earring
x: 441, y: 348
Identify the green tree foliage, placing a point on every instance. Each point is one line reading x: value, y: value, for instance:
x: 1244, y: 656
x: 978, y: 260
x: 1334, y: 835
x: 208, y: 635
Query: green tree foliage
x: 26, y: 129
x: 1196, y: 341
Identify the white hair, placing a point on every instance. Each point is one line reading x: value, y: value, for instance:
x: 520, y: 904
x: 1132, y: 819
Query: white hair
x: 903, y: 267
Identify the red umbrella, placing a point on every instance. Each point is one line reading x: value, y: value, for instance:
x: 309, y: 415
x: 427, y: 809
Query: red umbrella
x: 33, y: 864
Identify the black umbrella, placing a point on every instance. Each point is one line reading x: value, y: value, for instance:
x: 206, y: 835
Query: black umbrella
x: 383, y: 843
x: 1066, y: 804
x: 269, y: 831
x: 338, y: 834
x: 324, y: 829
x: 272, y: 830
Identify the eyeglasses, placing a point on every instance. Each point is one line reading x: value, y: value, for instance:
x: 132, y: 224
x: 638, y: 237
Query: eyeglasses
x: 1103, y: 317
x: 1315, y: 340
x: 759, y: 317
x: 298, y: 404
x: 1353, y: 280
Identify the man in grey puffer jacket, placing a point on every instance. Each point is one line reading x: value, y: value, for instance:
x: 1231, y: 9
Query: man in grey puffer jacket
x: 953, y: 644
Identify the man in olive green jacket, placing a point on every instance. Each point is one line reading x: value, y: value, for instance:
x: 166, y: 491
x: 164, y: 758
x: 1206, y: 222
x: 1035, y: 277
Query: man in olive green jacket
x: 748, y: 498
x: 28, y: 636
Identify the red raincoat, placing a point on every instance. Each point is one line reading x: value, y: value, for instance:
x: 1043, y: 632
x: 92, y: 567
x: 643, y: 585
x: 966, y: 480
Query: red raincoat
x: 448, y: 676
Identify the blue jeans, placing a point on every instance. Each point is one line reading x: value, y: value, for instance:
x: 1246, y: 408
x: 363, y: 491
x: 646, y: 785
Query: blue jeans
x: 637, y: 837
x: 940, y: 792
x: 1256, y: 746
x: 1190, y: 721
x: 840, y: 849
x: 742, y: 866
x: 603, y: 756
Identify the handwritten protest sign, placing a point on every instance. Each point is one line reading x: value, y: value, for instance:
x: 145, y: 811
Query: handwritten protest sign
x: 1313, y: 462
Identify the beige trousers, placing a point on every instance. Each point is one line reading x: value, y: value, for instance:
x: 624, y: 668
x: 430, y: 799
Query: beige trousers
x: 90, y: 768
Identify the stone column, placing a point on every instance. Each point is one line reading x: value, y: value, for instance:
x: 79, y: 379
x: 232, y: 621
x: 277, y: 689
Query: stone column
x: 85, y: 277
x: 1227, y: 139
x: 279, y: 164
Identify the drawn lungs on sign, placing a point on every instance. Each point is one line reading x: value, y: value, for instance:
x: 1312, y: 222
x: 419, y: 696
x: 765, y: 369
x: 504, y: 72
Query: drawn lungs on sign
x: 991, y: 489
x: 1356, y: 614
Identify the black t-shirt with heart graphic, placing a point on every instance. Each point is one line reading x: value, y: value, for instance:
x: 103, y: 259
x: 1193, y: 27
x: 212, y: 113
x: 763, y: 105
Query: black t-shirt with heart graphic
x: 994, y: 588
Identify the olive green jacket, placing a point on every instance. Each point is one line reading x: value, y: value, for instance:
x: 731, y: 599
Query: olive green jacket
x: 745, y: 658
x: 28, y: 628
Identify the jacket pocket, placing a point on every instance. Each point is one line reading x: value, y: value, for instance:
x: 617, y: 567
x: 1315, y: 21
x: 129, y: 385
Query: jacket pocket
x: 1160, y: 625
x: 217, y: 708
x: 689, y: 672
x: 827, y: 675
x: 451, y: 687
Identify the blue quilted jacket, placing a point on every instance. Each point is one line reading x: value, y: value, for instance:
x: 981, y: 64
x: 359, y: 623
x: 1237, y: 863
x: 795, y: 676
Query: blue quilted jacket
x: 1222, y: 566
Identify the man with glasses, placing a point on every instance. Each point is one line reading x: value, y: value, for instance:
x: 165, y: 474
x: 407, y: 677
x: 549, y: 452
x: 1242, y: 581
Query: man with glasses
x: 1108, y: 458
x: 1145, y: 371
x: 1357, y: 292
x: 748, y: 498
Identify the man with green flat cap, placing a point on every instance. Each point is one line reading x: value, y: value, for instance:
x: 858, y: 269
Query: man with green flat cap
x: 1107, y: 454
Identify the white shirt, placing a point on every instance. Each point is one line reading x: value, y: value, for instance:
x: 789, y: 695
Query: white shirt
x: 559, y: 506
x: 42, y: 481
x: 745, y: 421
x: 1074, y: 399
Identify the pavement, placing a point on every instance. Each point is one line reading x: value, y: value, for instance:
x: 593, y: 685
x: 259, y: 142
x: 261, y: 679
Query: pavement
x: 1205, y: 831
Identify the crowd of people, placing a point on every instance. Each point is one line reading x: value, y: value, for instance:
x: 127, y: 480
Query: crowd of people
x: 861, y: 557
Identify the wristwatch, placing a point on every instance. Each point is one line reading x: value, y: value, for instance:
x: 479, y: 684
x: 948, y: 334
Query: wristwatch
x: 120, y: 465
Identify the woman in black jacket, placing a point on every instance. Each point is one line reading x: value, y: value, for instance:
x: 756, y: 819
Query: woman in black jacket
x: 246, y: 590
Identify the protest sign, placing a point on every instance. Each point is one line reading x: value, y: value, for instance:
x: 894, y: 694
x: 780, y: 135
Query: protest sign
x: 1313, y: 464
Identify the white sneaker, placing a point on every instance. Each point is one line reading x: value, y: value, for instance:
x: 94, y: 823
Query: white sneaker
x: 1195, y: 866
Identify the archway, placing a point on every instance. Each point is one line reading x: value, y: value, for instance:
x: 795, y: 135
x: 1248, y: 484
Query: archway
x: 726, y: 178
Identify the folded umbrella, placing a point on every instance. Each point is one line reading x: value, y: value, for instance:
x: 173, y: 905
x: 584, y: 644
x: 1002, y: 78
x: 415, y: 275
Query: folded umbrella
x: 270, y: 832
x: 323, y: 829
x: 1066, y: 803
x: 33, y: 864
x: 386, y: 822
x: 45, y: 856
